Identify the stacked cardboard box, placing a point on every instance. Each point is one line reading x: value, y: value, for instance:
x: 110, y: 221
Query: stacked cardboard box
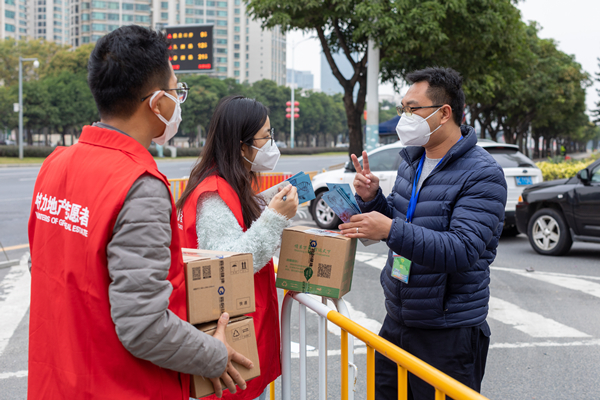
x: 217, y: 282
x: 316, y: 261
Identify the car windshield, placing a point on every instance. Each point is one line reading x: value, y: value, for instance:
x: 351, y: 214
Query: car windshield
x: 510, y: 158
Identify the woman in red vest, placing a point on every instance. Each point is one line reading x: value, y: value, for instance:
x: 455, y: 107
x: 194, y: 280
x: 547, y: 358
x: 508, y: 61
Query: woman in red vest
x: 220, y: 211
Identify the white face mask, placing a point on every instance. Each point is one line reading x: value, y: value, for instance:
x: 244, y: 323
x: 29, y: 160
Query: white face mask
x: 414, y: 130
x: 172, y: 124
x: 266, y: 158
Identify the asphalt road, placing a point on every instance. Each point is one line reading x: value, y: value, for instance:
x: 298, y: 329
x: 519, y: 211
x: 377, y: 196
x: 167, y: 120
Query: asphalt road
x: 545, y: 324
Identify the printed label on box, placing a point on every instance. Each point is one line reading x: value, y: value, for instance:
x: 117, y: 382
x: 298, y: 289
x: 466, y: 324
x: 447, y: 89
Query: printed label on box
x: 241, y: 333
x: 243, y: 303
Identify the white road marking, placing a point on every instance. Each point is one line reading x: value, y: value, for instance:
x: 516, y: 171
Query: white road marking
x: 355, y: 315
x: 18, y: 374
x: 330, y: 353
x: 573, y: 282
x: 594, y: 342
x: 531, y: 323
x: 371, y: 259
x: 15, y: 301
x: 363, y: 349
x: 17, y: 199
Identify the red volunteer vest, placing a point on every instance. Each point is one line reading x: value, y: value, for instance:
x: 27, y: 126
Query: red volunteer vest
x: 266, y: 316
x: 74, y: 351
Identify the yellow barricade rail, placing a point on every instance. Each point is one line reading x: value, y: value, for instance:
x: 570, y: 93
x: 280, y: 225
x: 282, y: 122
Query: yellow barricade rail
x: 265, y: 181
x: 177, y: 187
x: 443, y: 384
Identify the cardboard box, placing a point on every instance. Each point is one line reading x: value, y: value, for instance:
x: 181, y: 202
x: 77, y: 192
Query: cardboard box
x: 316, y: 261
x: 217, y: 282
x: 241, y: 336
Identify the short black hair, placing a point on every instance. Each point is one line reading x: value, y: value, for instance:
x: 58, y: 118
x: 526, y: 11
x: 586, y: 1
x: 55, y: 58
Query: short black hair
x: 124, y: 66
x: 445, y: 87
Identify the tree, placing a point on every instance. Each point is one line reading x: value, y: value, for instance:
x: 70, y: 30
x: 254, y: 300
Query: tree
x: 596, y: 112
x: 72, y: 104
x: 468, y: 35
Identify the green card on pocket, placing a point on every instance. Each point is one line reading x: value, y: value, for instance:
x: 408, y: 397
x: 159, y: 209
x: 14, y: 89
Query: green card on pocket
x: 401, y: 268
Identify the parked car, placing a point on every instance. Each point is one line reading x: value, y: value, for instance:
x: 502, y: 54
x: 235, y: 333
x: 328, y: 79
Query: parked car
x: 556, y: 213
x: 384, y: 161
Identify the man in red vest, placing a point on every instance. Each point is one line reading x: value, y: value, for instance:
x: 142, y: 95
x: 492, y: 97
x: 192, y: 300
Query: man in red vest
x: 108, y: 307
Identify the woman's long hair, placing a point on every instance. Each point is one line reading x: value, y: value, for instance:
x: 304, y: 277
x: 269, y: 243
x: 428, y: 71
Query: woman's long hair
x: 235, y: 121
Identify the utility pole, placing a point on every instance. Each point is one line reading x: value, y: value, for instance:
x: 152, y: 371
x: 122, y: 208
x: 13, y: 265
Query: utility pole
x: 372, y: 136
x: 36, y: 64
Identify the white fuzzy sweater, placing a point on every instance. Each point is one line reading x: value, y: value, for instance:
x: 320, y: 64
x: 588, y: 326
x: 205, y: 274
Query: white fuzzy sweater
x: 217, y: 229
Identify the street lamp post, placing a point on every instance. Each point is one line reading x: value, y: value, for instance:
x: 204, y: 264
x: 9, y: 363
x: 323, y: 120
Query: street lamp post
x: 36, y: 64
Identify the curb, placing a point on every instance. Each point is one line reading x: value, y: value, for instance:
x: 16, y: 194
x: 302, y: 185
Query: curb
x: 8, y: 264
x: 19, y: 165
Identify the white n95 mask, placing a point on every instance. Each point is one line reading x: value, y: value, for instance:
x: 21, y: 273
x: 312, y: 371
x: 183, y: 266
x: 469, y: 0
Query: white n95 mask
x: 266, y: 158
x: 172, y: 124
x: 414, y: 130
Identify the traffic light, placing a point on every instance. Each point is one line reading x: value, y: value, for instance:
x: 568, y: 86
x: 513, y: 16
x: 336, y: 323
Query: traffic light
x: 288, y: 110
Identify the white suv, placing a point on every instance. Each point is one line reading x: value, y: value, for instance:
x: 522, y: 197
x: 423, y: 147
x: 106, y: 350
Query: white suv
x: 519, y: 172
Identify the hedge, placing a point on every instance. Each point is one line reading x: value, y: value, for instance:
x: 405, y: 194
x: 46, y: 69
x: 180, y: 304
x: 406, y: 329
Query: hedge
x: 28, y: 151
x: 44, y: 151
x: 312, y: 150
x: 564, y: 169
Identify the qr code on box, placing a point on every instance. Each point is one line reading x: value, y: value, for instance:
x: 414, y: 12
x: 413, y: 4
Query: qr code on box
x: 324, y: 271
x: 196, y: 273
x: 206, y: 274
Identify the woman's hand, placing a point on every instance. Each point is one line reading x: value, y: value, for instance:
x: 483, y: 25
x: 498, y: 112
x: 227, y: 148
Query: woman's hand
x: 287, y: 207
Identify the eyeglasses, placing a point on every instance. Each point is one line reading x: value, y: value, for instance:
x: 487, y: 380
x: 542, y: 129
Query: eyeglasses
x: 408, y: 110
x: 181, y: 91
x: 272, y: 132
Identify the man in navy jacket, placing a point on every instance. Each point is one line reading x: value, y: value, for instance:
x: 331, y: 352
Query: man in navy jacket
x: 442, y: 223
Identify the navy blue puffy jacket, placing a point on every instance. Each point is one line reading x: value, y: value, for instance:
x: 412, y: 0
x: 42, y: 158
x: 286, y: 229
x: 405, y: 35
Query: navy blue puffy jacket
x: 451, y: 241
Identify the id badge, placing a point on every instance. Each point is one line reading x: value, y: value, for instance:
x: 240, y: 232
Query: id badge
x: 401, y: 268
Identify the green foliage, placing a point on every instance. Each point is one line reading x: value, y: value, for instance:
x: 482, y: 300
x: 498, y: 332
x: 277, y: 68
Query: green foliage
x: 28, y: 151
x: 57, y: 99
x: 565, y: 169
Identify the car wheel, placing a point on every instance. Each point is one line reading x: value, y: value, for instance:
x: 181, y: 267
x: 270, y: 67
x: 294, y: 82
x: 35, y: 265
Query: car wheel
x: 549, y: 233
x: 323, y: 215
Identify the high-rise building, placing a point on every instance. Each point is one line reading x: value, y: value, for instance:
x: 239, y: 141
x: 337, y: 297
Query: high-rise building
x: 302, y: 79
x: 242, y: 49
x: 15, y: 22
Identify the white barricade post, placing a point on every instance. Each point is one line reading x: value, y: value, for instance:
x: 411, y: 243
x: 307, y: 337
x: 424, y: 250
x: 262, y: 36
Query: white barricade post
x: 321, y: 309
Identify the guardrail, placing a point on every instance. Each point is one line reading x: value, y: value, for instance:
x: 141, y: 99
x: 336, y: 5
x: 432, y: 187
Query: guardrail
x: 443, y: 384
x: 265, y: 181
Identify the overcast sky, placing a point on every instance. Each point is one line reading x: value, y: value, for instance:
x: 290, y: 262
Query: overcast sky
x: 573, y: 24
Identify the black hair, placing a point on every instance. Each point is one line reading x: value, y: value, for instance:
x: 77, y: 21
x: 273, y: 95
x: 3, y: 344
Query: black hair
x: 235, y: 121
x: 125, y: 66
x: 445, y: 87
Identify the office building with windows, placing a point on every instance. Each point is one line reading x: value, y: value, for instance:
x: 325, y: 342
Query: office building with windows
x: 14, y: 19
x: 242, y: 49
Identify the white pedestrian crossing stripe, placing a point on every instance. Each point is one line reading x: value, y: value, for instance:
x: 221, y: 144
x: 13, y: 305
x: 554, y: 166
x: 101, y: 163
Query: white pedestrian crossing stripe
x: 15, y: 302
x: 531, y: 323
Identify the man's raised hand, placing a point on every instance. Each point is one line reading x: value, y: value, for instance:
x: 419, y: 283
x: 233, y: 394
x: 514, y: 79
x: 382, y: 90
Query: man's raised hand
x: 365, y: 183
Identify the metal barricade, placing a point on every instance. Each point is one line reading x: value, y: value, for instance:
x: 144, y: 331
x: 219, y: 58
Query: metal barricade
x: 265, y: 181
x: 177, y: 187
x: 443, y: 384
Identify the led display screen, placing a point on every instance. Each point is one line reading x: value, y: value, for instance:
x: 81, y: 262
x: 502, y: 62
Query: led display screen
x: 191, y: 47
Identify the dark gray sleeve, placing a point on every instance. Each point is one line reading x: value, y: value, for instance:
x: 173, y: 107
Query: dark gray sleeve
x: 138, y: 263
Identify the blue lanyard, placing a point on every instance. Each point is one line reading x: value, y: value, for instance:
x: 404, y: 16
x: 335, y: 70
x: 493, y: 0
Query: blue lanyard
x: 414, y: 197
